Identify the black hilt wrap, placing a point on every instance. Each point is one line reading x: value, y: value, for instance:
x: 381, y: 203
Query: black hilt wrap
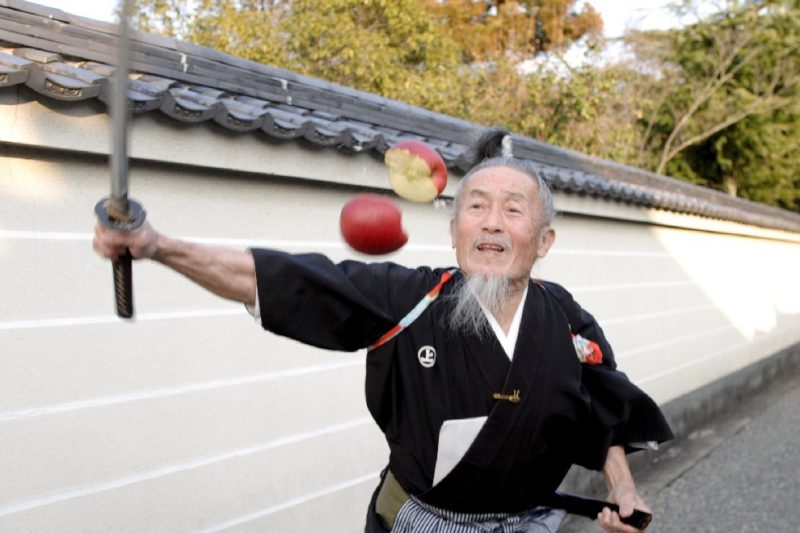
x: 590, y: 508
x: 126, y: 218
x: 123, y: 284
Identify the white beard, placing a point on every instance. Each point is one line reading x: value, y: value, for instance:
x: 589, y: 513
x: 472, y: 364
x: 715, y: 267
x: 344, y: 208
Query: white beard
x: 467, y: 315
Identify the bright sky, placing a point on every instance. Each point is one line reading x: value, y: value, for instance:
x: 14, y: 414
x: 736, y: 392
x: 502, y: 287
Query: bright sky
x: 617, y: 14
x: 93, y: 9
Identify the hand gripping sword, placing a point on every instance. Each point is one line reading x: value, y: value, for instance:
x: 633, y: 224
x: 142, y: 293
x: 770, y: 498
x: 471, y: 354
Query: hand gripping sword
x: 590, y: 508
x: 118, y: 211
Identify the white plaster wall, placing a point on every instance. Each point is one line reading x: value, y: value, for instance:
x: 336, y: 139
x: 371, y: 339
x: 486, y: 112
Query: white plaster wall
x: 681, y: 307
x: 192, y: 418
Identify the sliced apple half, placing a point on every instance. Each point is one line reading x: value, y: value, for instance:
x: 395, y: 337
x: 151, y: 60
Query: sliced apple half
x: 416, y: 171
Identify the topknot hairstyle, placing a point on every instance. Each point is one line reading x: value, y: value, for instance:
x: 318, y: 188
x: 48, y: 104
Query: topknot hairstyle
x: 494, y: 142
x: 495, y: 148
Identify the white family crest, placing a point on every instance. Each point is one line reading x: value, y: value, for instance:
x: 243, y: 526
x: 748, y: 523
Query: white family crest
x: 427, y: 356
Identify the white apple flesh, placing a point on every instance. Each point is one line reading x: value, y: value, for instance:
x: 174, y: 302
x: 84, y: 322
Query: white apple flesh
x: 416, y: 171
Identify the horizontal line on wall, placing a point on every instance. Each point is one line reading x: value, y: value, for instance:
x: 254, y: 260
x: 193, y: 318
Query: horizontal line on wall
x: 658, y: 314
x: 676, y: 340
x: 94, y: 488
x: 294, y: 502
x: 713, y: 355
x: 309, y: 245
x: 281, y: 244
x: 623, y: 286
x: 244, y: 243
x: 173, y: 391
x: 44, y: 236
x: 689, y: 364
x: 211, y: 313
x: 607, y: 253
x: 114, y: 319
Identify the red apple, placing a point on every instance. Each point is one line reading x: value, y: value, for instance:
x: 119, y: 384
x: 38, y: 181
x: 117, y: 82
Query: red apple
x: 370, y: 224
x: 416, y: 171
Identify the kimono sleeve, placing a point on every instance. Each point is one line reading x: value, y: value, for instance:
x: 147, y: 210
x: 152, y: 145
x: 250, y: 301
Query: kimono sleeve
x: 309, y: 298
x: 620, y: 412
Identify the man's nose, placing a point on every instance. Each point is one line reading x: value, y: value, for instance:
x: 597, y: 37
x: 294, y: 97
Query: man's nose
x: 493, y: 222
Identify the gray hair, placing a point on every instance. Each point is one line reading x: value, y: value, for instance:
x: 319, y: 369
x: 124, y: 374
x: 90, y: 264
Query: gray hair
x: 548, y: 211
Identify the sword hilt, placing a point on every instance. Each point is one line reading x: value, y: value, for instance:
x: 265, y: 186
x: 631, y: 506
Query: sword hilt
x: 124, y: 215
x: 590, y: 508
x: 123, y: 284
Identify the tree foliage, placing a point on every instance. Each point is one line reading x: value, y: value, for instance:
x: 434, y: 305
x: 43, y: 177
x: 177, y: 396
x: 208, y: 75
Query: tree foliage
x: 727, y: 109
x: 390, y: 47
x: 488, y: 29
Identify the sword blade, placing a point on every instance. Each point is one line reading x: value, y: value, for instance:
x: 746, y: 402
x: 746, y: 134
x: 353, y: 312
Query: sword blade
x: 119, y: 116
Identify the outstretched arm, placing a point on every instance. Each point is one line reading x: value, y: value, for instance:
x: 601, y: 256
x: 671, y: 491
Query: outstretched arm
x: 621, y: 490
x: 225, y: 272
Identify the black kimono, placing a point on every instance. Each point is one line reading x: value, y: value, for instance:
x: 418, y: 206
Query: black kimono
x: 567, y: 413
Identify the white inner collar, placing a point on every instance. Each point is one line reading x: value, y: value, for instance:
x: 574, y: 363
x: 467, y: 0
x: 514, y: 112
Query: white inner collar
x: 508, y: 342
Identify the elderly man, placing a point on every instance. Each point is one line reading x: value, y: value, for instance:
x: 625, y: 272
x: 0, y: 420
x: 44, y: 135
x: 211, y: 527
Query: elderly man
x: 474, y: 374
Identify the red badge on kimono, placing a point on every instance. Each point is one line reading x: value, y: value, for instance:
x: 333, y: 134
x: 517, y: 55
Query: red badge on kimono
x: 589, y: 352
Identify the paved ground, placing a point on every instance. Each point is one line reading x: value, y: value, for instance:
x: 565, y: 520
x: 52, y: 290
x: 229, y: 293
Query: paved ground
x: 739, y: 474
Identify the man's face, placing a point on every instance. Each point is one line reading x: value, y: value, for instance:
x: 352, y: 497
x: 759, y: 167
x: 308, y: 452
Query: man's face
x: 496, y: 228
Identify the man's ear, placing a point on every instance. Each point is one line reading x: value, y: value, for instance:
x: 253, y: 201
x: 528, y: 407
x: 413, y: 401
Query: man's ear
x: 545, y: 242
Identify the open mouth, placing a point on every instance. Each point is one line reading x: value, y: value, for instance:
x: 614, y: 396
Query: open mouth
x: 490, y: 247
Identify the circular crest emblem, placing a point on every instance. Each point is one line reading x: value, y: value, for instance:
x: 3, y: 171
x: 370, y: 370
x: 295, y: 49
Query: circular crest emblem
x: 427, y: 356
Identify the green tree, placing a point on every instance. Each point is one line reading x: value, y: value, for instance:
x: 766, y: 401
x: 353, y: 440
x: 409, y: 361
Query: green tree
x: 250, y: 29
x: 726, y: 111
x: 167, y: 17
x: 389, y: 47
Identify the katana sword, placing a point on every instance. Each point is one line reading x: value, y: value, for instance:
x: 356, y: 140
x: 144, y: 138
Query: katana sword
x: 118, y: 211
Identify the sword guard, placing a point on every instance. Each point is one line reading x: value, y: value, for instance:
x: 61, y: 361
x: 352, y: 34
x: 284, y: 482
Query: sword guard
x: 113, y: 219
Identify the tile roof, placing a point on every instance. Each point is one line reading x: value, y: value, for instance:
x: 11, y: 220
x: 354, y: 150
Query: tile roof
x: 68, y: 58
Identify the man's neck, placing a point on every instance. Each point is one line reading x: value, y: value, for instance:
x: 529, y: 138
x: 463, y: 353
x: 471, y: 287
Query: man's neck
x: 506, y: 315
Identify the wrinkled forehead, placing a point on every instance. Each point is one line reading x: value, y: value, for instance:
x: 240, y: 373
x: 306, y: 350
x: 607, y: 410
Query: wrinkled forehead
x: 501, y: 182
